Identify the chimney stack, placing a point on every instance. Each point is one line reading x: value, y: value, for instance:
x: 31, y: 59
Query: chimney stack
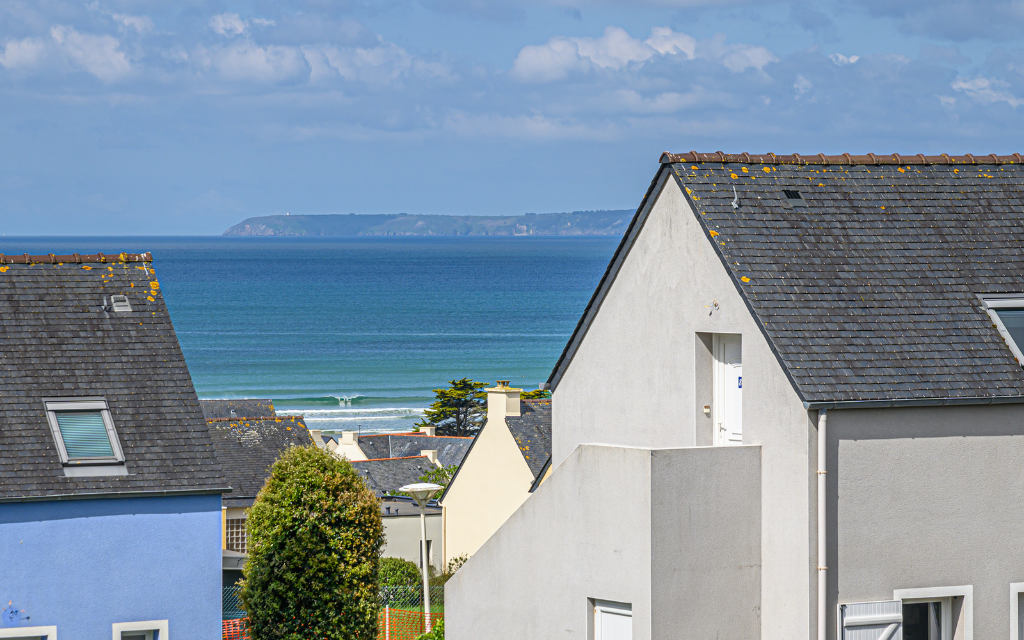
x: 502, y: 400
x: 429, y: 431
x: 430, y: 454
x: 349, y: 437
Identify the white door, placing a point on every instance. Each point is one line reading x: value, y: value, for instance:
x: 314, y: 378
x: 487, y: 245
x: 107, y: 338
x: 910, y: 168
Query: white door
x: 728, y: 391
x: 613, y: 621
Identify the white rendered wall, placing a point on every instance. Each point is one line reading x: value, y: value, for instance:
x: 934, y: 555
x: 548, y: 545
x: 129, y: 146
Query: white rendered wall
x: 632, y: 382
x: 585, y: 533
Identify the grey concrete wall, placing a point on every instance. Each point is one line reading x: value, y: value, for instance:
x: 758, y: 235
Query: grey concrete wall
x: 633, y: 382
x: 706, y: 543
x: 585, y: 533
x: 927, y: 497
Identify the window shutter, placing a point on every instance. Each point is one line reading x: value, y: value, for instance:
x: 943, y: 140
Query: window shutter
x: 872, y: 620
x: 84, y: 434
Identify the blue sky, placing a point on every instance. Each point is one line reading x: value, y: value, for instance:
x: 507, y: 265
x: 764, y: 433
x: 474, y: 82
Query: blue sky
x: 153, y: 117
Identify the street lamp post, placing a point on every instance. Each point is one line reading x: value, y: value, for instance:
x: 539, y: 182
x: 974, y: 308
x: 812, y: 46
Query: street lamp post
x: 422, y: 492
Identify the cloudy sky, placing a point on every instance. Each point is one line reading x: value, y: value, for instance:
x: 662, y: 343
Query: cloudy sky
x: 156, y: 117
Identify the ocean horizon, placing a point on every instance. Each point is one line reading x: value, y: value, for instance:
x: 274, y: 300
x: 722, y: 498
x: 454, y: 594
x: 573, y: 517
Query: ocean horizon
x: 356, y: 332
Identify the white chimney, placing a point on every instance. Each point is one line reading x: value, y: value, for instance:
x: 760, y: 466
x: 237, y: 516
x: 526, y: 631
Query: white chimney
x: 349, y: 446
x: 502, y: 401
x: 428, y: 431
x: 317, y: 439
x: 430, y: 454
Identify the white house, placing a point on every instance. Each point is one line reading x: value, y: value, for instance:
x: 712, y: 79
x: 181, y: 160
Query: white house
x: 793, y: 409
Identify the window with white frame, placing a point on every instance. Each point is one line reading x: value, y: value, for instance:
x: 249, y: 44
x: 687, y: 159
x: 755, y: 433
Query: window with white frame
x: 1007, y: 313
x: 29, y: 633
x: 147, y: 630
x: 83, y: 431
x: 937, y: 613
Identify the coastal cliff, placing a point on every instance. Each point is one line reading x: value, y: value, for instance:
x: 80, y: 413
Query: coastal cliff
x: 577, y: 223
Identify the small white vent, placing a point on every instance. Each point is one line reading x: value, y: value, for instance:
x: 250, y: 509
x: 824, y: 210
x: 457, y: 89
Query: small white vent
x: 120, y: 304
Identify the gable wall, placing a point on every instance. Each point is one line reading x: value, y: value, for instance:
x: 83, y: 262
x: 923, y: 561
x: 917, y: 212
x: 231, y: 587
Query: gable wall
x: 493, y: 481
x: 632, y: 382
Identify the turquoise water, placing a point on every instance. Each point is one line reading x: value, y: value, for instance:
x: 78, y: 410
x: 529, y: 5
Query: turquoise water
x: 356, y: 332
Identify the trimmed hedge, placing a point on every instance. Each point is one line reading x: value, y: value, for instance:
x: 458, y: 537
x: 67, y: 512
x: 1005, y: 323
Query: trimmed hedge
x: 398, y: 572
x: 315, y: 537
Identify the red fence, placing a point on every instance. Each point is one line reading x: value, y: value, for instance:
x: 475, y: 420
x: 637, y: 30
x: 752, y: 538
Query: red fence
x: 394, y: 624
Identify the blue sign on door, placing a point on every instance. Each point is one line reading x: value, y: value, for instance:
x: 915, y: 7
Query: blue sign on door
x: 741, y: 382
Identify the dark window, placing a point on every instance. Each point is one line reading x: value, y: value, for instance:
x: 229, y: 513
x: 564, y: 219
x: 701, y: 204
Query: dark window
x: 1013, y: 320
x: 792, y: 194
x: 921, y: 621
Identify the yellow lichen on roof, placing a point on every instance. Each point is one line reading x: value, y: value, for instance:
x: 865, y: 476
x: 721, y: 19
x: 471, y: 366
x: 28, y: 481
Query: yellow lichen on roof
x: 713, y: 233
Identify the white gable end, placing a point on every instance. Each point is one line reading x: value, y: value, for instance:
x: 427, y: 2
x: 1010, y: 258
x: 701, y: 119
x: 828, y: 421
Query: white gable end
x: 633, y: 381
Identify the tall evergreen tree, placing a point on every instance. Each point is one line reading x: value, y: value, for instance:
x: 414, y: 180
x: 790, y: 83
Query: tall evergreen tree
x: 459, y: 410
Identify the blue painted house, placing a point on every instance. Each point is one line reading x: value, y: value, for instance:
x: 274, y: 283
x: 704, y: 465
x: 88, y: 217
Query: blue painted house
x: 110, y: 492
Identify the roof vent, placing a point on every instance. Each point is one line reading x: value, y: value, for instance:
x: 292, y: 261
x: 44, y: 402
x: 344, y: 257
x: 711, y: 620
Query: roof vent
x: 792, y: 198
x: 120, y: 304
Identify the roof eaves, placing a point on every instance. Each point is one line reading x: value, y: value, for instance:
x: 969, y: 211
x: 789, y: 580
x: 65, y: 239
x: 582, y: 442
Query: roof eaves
x: 912, y: 402
x: 60, y: 497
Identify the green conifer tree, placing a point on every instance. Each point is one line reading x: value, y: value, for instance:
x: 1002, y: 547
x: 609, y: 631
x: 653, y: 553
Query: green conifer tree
x: 459, y: 410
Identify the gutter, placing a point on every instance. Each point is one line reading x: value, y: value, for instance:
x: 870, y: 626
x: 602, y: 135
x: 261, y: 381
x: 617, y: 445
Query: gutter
x: 118, y: 494
x: 822, y: 527
x: 912, y: 402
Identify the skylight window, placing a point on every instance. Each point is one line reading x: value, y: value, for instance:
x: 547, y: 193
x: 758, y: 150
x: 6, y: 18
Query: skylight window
x: 1008, y: 316
x: 792, y: 194
x: 84, y: 432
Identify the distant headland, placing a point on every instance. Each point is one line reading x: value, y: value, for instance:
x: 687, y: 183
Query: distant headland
x: 576, y: 223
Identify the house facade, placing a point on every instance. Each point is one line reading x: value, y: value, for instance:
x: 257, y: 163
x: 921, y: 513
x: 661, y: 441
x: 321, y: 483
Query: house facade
x: 832, y: 427
x: 508, y: 459
x: 110, y: 498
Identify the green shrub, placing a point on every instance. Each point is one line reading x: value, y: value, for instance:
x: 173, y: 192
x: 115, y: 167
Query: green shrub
x: 436, y: 632
x: 396, y: 572
x: 439, y: 578
x: 315, y: 536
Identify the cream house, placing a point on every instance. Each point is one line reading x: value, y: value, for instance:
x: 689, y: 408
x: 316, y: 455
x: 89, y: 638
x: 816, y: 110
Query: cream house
x: 506, y: 462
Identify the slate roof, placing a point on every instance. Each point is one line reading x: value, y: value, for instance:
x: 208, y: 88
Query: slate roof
x: 388, y: 474
x: 869, y: 291
x: 532, y: 431
x: 248, y: 447
x: 247, y: 408
x: 57, y: 340
x: 450, y: 449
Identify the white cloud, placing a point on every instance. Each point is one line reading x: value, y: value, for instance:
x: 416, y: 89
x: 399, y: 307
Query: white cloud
x: 667, y: 42
x: 380, y: 65
x: 99, y: 55
x: 141, y: 24
x: 21, y: 54
x: 840, y: 59
x: 735, y: 57
x: 247, y: 61
x: 228, y: 24
x: 616, y: 50
x: 231, y: 24
x: 802, y: 85
x: 987, y: 91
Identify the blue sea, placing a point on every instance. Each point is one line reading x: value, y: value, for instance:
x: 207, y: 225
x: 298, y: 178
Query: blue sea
x: 355, y: 333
